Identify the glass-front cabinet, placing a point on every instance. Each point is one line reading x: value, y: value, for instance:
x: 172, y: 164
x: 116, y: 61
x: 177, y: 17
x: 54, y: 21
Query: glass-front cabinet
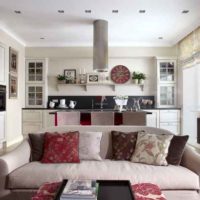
x: 36, y: 82
x: 166, y: 82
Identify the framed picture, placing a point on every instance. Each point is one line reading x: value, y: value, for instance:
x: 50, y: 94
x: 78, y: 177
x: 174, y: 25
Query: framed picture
x: 13, y: 60
x: 92, y: 78
x: 12, y: 86
x: 70, y: 75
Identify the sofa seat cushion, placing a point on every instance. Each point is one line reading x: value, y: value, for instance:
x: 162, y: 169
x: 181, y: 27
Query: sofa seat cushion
x: 34, y: 174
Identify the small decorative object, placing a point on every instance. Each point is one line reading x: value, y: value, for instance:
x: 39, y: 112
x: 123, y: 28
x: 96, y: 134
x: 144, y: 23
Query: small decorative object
x: 121, y: 101
x: 12, y: 86
x: 51, y: 104
x: 82, y: 78
x: 72, y: 104
x: 92, y: 78
x: 120, y: 74
x: 70, y: 75
x: 13, y: 60
x: 138, y: 78
x: 61, y: 78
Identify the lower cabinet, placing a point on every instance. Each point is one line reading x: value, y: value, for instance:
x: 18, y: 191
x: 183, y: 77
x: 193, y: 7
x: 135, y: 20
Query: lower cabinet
x: 153, y: 119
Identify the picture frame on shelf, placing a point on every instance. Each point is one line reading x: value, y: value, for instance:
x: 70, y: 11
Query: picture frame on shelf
x: 92, y: 78
x: 13, y: 86
x: 13, y: 60
x: 70, y: 75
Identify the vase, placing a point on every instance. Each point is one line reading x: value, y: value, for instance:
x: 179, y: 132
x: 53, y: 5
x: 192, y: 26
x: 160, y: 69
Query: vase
x: 141, y: 81
x: 135, y: 81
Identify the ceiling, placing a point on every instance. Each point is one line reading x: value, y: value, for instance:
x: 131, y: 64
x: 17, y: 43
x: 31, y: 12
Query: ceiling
x: 40, y: 19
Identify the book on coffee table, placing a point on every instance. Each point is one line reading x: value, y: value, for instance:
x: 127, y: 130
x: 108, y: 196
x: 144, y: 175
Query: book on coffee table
x: 79, y: 190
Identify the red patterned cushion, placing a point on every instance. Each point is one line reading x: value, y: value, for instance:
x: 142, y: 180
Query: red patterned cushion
x: 47, y: 191
x: 147, y: 191
x: 61, y: 148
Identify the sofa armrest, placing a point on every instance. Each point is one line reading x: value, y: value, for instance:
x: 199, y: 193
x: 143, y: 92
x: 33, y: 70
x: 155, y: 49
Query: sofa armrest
x: 191, y: 160
x: 11, y: 161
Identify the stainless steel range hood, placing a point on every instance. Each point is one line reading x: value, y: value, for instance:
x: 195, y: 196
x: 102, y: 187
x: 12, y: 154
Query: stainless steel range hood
x: 100, y: 46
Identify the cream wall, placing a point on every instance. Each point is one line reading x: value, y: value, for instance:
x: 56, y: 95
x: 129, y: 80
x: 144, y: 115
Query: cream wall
x: 135, y: 58
x: 14, y: 106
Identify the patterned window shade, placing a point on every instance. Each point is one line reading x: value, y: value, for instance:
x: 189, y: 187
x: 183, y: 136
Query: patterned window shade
x: 186, y: 47
x: 197, y: 40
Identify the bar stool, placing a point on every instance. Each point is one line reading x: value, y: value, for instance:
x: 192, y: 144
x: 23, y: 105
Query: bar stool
x: 102, y: 118
x: 68, y: 118
x: 134, y: 118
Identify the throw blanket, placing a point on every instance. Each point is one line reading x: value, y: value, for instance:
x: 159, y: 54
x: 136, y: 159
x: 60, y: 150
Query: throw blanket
x: 143, y: 191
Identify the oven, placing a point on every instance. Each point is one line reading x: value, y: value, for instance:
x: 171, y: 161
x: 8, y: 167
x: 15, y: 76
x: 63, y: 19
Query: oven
x: 2, y: 98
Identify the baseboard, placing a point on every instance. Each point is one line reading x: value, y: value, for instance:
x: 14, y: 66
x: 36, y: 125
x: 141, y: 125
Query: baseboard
x: 15, y: 141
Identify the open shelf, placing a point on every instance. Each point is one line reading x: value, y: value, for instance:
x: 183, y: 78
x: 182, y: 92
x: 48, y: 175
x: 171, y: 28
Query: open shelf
x: 87, y: 85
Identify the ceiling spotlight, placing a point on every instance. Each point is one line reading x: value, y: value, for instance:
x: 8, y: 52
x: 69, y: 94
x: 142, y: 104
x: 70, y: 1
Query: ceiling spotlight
x: 160, y: 38
x: 61, y: 11
x: 88, y: 11
x: 115, y: 11
x: 142, y: 11
x: 185, y: 11
x: 17, y: 11
x: 42, y: 38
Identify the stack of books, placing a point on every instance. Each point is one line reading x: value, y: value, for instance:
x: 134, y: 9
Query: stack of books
x: 80, y: 190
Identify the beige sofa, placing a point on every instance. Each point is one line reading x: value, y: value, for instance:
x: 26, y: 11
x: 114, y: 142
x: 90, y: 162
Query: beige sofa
x: 20, y: 178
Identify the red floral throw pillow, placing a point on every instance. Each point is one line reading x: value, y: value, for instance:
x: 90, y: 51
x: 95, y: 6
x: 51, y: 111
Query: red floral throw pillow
x: 61, y: 148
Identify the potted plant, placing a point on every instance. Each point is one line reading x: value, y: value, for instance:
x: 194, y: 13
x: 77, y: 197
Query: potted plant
x: 61, y: 78
x: 141, y: 78
x: 135, y: 77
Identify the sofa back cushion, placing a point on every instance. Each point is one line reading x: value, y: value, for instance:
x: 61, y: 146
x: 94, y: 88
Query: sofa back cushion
x: 176, y: 149
x: 36, y: 143
x: 61, y: 148
x: 123, y: 145
x: 106, y: 140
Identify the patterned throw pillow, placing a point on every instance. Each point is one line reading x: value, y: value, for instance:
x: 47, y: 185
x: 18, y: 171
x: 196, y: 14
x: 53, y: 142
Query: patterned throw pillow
x: 61, y: 148
x: 123, y: 145
x: 151, y: 148
x: 89, y: 146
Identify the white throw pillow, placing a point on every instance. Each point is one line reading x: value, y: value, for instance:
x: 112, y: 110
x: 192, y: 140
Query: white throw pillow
x: 89, y: 145
x: 151, y: 148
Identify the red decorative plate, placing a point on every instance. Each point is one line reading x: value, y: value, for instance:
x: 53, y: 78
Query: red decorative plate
x: 120, y: 74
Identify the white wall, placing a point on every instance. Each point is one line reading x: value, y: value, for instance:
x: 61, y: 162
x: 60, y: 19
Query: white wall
x: 135, y: 58
x: 14, y: 106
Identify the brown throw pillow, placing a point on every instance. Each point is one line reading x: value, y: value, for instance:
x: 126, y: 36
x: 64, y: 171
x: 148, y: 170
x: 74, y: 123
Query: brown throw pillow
x: 123, y: 145
x: 176, y: 149
x: 37, y: 143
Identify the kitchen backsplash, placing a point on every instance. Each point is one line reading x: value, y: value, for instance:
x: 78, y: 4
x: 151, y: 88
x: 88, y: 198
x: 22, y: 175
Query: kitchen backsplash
x: 94, y: 102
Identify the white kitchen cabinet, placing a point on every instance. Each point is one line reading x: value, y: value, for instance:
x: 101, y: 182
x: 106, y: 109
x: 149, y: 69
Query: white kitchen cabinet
x: 32, y: 121
x: 48, y: 118
x: 170, y: 120
x: 36, y: 83
x: 2, y: 64
x: 152, y: 119
x: 2, y: 127
x: 166, y: 82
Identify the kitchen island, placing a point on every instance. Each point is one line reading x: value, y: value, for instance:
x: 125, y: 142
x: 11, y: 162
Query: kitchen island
x: 85, y: 115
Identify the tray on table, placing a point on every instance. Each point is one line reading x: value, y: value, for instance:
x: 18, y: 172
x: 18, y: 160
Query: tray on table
x: 108, y: 190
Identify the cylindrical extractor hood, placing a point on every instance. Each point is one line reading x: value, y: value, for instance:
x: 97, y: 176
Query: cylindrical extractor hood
x: 100, y: 46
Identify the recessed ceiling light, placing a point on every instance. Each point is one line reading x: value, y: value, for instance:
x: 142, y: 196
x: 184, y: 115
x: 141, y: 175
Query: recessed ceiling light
x: 142, y: 11
x: 160, y: 38
x: 88, y: 11
x: 17, y: 11
x: 115, y: 11
x: 61, y: 11
x: 42, y: 38
x: 185, y: 11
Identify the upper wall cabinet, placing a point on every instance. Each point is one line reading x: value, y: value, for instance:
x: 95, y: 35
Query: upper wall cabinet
x: 166, y: 82
x: 166, y: 70
x: 2, y: 64
x: 36, y: 83
x: 35, y: 71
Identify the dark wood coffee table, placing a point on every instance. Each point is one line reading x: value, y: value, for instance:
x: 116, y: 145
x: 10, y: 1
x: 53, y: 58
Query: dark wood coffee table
x: 108, y: 190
